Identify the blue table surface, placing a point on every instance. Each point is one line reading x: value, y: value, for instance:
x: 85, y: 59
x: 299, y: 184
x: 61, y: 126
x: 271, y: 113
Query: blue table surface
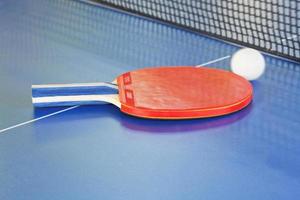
x: 96, y: 152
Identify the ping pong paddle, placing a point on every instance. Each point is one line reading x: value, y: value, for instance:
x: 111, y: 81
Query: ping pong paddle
x: 174, y: 92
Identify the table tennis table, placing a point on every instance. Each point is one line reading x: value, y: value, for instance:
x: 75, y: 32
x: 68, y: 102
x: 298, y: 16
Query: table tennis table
x: 97, y: 152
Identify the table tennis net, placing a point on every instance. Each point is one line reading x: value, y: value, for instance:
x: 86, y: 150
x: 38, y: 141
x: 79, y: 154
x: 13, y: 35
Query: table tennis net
x: 272, y: 26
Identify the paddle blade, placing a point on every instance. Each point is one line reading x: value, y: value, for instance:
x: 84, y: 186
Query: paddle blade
x: 182, y: 92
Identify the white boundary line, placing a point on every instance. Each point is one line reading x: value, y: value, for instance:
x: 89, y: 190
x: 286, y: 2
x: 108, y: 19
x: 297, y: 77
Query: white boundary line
x: 37, y: 119
x: 71, y: 108
x: 213, y: 61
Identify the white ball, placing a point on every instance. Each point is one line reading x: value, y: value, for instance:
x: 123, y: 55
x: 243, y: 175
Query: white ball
x: 248, y: 63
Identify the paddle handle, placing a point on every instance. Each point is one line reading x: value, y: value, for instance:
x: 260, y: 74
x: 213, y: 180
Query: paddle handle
x: 74, y: 94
